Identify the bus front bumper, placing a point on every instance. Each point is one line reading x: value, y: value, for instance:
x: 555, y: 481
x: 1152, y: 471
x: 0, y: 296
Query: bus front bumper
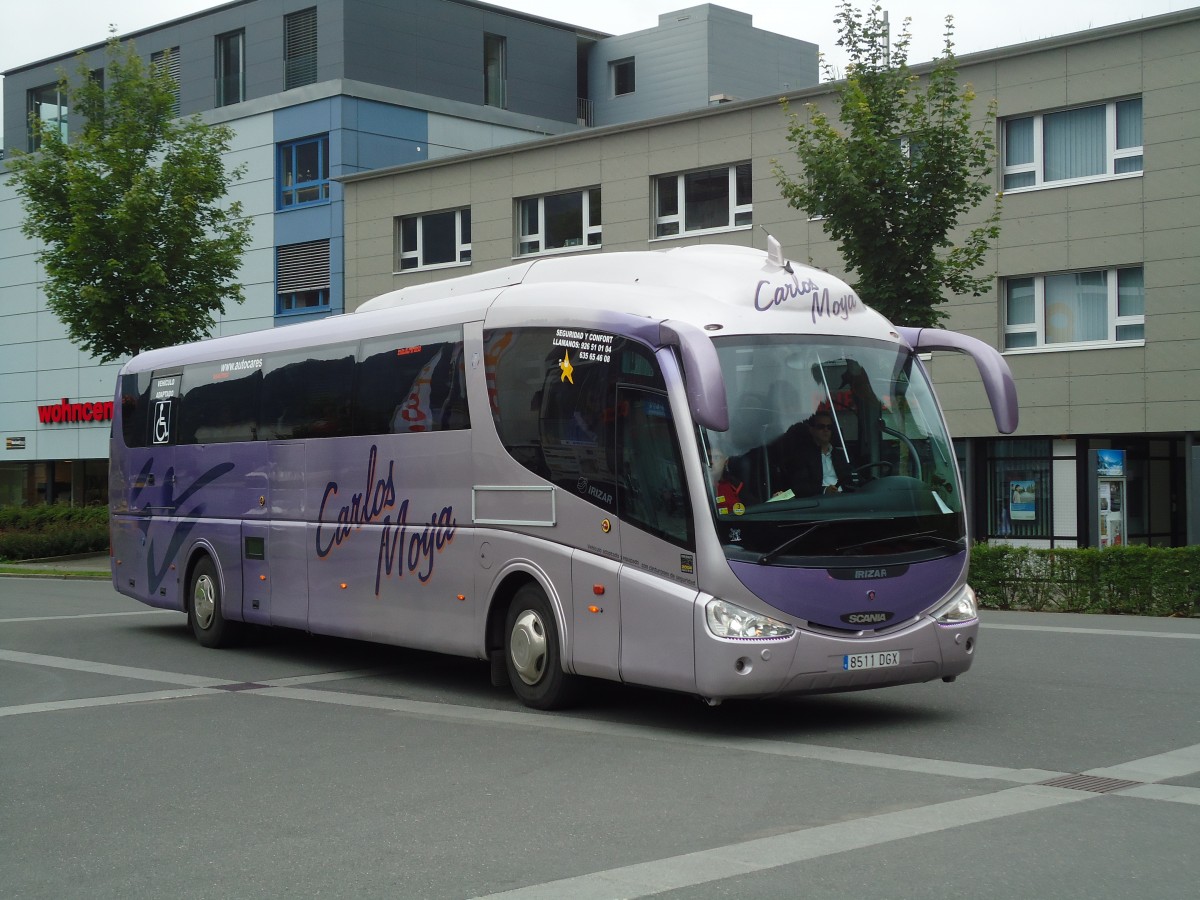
x: 811, y: 662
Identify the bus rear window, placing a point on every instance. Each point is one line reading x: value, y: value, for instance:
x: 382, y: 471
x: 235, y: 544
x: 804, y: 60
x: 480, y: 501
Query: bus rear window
x: 135, y: 403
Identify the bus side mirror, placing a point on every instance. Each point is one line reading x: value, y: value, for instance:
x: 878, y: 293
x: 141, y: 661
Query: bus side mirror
x: 996, y: 375
x: 702, y: 373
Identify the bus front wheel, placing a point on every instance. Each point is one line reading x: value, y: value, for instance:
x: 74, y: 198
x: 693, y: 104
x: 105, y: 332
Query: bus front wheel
x: 207, y: 622
x: 531, y: 652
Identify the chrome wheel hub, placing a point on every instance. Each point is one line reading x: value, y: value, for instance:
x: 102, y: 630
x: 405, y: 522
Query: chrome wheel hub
x: 527, y: 647
x: 204, y: 601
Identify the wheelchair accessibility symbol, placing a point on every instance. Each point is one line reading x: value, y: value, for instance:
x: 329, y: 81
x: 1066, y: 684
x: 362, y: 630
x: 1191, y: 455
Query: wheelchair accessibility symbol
x: 162, y: 421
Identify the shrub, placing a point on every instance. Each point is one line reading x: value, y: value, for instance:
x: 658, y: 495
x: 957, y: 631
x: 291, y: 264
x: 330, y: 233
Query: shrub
x: 32, y: 532
x: 1134, y: 580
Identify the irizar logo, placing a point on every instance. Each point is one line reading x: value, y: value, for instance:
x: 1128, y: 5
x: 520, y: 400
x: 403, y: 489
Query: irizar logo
x: 870, y: 573
x: 867, y: 618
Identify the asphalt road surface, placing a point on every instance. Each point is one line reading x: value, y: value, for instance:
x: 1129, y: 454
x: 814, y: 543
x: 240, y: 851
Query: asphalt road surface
x: 134, y: 763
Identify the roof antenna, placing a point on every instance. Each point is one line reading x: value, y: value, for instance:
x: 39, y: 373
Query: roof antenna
x: 775, y: 253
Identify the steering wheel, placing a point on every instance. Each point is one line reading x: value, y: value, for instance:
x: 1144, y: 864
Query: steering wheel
x: 885, y: 467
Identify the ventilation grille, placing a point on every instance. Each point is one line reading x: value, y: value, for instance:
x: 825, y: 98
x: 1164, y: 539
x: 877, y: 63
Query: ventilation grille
x: 303, y: 267
x: 300, y: 48
x: 168, y: 60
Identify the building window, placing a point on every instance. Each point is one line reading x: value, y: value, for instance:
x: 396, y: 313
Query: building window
x: 559, y: 222
x: 300, y: 48
x: 1091, y: 142
x: 304, y: 171
x: 1104, y: 306
x: 1019, y: 499
x: 167, y: 62
x: 709, y: 200
x: 622, y: 77
x: 433, y: 240
x: 231, y: 68
x: 48, y: 105
x: 495, y: 71
x: 302, y: 277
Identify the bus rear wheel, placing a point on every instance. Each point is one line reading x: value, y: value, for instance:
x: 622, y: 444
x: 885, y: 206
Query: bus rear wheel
x: 207, y: 621
x: 532, y: 652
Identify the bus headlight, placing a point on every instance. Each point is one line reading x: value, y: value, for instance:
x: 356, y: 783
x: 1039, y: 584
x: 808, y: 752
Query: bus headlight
x: 963, y: 608
x: 729, y: 621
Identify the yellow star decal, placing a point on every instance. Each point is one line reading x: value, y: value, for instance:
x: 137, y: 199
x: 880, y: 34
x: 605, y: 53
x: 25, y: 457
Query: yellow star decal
x: 567, y: 368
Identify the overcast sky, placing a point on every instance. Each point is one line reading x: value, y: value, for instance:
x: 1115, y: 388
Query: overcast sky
x: 34, y: 32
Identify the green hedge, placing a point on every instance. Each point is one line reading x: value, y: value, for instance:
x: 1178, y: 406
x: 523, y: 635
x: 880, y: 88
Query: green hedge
x: 1136, y: 580
x: 33, y: 532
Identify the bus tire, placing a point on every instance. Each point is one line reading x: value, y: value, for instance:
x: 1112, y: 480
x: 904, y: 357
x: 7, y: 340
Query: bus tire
x: 532, y: 652
x: 207, y: 621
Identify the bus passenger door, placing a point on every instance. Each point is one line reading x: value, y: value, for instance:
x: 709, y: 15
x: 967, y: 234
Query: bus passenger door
x: 287, y: 539
x: 658, y: 571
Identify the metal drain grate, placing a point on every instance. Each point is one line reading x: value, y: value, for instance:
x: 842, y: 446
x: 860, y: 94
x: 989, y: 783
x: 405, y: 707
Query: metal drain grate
x: 1092, y: 783
x: 240, y: 686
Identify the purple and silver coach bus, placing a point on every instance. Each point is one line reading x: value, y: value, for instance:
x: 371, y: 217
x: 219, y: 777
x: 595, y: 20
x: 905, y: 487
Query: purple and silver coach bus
x: 706, y: 469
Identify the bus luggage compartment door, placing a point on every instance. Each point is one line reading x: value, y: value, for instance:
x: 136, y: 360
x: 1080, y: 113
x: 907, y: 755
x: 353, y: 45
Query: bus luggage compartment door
x: 256, y: 573
x: 596, y: 614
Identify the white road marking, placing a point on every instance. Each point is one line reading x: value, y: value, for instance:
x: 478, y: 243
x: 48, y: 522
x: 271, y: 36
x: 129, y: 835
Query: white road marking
x: 1160, y: 767
x: 1108, y: 632
x: 90, y: 702
x: 1172, y: 793
x: 99, y: 668
x: 732, y: 860
x: 136, y: 612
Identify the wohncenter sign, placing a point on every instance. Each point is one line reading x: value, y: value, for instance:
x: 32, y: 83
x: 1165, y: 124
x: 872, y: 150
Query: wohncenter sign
x: 66, y: 411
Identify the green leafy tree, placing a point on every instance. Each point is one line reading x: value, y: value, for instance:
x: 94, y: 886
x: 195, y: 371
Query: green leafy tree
x: 895, y: 173
x: 138, y: 249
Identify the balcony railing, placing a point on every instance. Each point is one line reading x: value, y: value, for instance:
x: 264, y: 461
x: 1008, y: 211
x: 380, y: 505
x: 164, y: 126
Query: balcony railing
x: 583, y: 111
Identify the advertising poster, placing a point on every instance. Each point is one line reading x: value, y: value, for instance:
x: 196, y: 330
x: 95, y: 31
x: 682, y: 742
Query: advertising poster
x: 1110, y: 463
x: 1112, y: 512
x: 1022, y: 502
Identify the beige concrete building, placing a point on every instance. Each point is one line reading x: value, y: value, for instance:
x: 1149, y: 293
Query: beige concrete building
x: 1096, y: 297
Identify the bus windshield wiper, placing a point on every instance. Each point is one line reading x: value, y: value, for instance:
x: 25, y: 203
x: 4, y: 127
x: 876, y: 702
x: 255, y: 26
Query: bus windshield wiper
x: 771, y: 554
x: 928, y: 536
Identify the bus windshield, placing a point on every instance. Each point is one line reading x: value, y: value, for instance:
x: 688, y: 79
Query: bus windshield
x: 836, y: 448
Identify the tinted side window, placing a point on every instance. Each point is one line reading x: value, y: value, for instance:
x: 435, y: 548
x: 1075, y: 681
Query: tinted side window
x: 306, y: 393
x: 413, y: 383
x: 220, y: 401
x: 554, y: 401
x: 651, y: 491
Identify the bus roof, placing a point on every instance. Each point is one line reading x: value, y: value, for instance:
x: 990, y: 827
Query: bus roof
x: 724, y: 289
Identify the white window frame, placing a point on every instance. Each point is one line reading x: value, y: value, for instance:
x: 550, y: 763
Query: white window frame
x: 591, y: 229
x: 462, y: 248
x: 1111, y: 151
x: 1038, y: 326
x: 677, y: 218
